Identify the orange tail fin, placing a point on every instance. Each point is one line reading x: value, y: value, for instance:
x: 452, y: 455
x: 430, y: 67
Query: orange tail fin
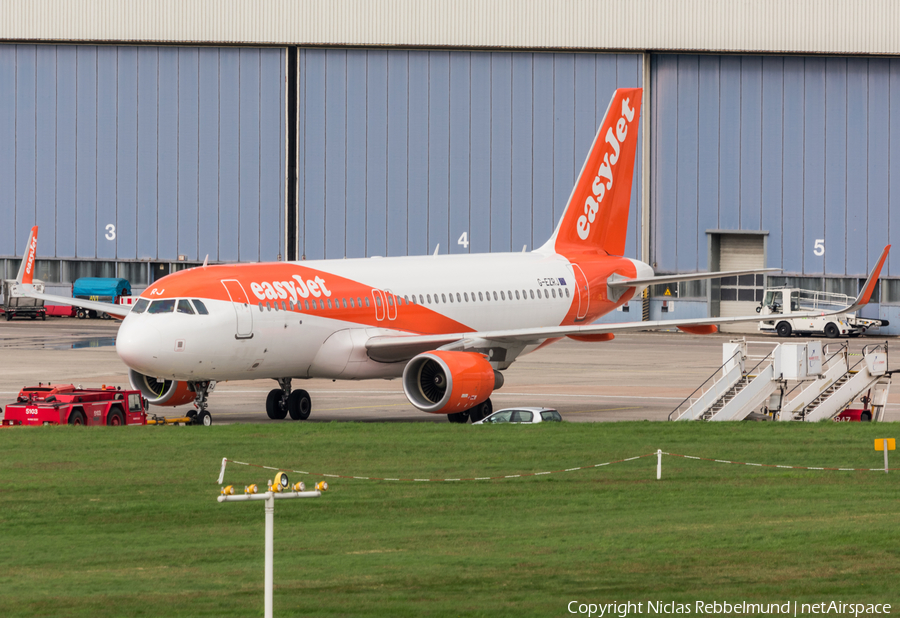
x: 26, y: 268
x: 596, y: 216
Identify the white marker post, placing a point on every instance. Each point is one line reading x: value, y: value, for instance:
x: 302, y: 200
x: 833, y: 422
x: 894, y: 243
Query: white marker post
x: 887, y: 444
x: 658, y: 464
x: 270, y: 497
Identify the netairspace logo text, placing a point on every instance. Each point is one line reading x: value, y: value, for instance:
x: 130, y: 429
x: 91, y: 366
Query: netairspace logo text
x: 791, y: 608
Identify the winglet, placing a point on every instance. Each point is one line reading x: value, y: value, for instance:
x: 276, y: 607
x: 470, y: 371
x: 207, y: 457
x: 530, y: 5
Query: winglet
x: 26, y: 268
x: 866, y: 293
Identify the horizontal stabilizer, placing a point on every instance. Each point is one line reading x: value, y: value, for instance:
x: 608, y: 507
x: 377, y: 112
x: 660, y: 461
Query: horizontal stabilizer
x: 628, y: 283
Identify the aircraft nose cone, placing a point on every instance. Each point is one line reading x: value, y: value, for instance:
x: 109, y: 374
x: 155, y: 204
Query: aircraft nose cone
x: 138, y: 345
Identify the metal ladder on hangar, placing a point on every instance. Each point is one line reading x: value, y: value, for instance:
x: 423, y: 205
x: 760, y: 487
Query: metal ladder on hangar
x: 734, y: 393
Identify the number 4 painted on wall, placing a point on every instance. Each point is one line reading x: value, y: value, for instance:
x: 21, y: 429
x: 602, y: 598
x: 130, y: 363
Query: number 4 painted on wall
x: 464, y: 240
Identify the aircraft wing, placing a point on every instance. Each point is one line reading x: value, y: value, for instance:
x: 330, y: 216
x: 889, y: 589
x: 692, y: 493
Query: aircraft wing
x: 25, y: 287
x: 403, y: 347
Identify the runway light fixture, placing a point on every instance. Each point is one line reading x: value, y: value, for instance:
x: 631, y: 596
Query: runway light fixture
x: 276, y: 490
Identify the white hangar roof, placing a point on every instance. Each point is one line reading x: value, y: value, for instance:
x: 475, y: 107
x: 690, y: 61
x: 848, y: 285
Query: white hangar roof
x: 776, y: 26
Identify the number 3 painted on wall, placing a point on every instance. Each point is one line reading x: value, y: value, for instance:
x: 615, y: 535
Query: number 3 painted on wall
x: 819, y: 247
x: 110, y: 232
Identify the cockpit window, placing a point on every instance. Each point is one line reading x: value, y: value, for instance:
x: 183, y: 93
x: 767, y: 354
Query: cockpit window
x: 185, y: 307
x: 140, y: 306
x: 201, y: 308
x: 162, y: 306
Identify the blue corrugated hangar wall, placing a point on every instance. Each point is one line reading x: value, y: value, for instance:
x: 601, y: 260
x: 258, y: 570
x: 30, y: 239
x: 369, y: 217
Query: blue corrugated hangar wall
x: 805, y: 148
x: 400, y: 151
x: 181, y: 149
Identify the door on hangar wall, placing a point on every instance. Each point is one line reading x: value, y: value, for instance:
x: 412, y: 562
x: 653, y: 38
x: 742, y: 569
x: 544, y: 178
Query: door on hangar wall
x: 739, y: 295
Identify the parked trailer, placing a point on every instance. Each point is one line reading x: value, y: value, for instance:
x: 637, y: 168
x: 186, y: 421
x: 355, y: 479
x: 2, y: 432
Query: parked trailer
x: 22, y: 306
x: 68, y: 404
x: 103, y: 289
x: 786, y: 301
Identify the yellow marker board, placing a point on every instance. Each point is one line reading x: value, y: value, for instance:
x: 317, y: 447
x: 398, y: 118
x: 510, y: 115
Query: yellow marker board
x: 891, y: 444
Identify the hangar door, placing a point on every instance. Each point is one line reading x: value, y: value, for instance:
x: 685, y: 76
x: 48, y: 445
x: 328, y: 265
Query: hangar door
x: 741, y: 295
x: 401, y: 151
x: 142, y: 153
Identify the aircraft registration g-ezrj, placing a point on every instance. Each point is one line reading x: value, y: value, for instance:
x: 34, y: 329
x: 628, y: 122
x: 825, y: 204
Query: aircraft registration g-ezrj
x: 447, y: 324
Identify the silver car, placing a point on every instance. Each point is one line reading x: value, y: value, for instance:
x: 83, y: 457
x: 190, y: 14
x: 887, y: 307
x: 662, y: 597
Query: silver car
x: 521, y: 415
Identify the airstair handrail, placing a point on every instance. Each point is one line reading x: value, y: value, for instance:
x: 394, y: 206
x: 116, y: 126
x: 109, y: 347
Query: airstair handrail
x: 764, y: 359
x: 842, y: 348
x: 721, y: 367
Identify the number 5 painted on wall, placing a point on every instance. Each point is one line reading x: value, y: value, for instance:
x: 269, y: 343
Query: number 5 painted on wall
x: 819, y: 247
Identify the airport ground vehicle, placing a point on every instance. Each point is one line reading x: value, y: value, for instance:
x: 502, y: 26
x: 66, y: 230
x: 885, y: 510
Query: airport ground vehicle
x: 100, y: 289
x: 787, y: 301
x: 67, y: 404
x: 22, y: 306
x: 521, y: 415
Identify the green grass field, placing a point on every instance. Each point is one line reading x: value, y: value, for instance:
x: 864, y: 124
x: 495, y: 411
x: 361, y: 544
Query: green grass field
x: 124, y: 522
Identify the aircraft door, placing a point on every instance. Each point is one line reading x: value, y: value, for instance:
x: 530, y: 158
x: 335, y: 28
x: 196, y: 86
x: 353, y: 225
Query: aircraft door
x: 241, y: 304
x: 583, y: 291
x: 378, y: 297
x: 392, y: 303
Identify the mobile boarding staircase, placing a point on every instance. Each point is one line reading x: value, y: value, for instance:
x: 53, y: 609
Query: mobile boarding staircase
x: 822, y: 391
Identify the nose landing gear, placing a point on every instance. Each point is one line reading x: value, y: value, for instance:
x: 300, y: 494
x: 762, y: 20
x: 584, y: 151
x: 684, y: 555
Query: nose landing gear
x: 282, y: 401
x: 201, y: 415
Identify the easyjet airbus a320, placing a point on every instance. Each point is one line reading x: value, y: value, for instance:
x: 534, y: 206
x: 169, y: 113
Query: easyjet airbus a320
x: 447, y: 324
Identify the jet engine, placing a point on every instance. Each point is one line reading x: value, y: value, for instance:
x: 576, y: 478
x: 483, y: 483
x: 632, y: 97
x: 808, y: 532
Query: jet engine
x: 448, y: 382
x: 161, y: 393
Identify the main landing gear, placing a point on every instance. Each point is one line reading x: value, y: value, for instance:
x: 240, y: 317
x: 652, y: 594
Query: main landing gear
x: 282, y: 401
x: 475, y: 414
x: 201, y: 415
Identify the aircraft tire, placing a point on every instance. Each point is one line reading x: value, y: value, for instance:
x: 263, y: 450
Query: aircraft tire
x: 299, y: 405
x: 481, y: 411
x: 274, y: 407
x: 203, y: 418
x: 458, y: 417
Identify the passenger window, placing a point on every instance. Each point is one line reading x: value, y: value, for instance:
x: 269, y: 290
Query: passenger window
x: 532, y: 294
x: 567, y: 292
x: 330, y: 306
x: 421, y: 300
x: 367, y: 302
x: 502, y: 295
x: 443, y: 298
x: 517, y: 294
x: 390, y: 300
x: 553, y: 291
x: 351, y: 303
x: 185, y: 307
x: 268, y: 307
x: 466, y: 296
x: 140, y: 306
x: 521, y: 416
x: 260, y: 305
x: 359, y: 302
x: 480, y: 297
x: 495, y: 295
x: 306, y: 304
x: 377, y: 301
x: 458, y: 299
x: 344, y: 301
x: 428, y: 297
x: 162, y: 306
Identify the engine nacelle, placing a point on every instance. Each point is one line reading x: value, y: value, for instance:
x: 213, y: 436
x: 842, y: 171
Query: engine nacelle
x: 165, y: 393
x: 446, y: 382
